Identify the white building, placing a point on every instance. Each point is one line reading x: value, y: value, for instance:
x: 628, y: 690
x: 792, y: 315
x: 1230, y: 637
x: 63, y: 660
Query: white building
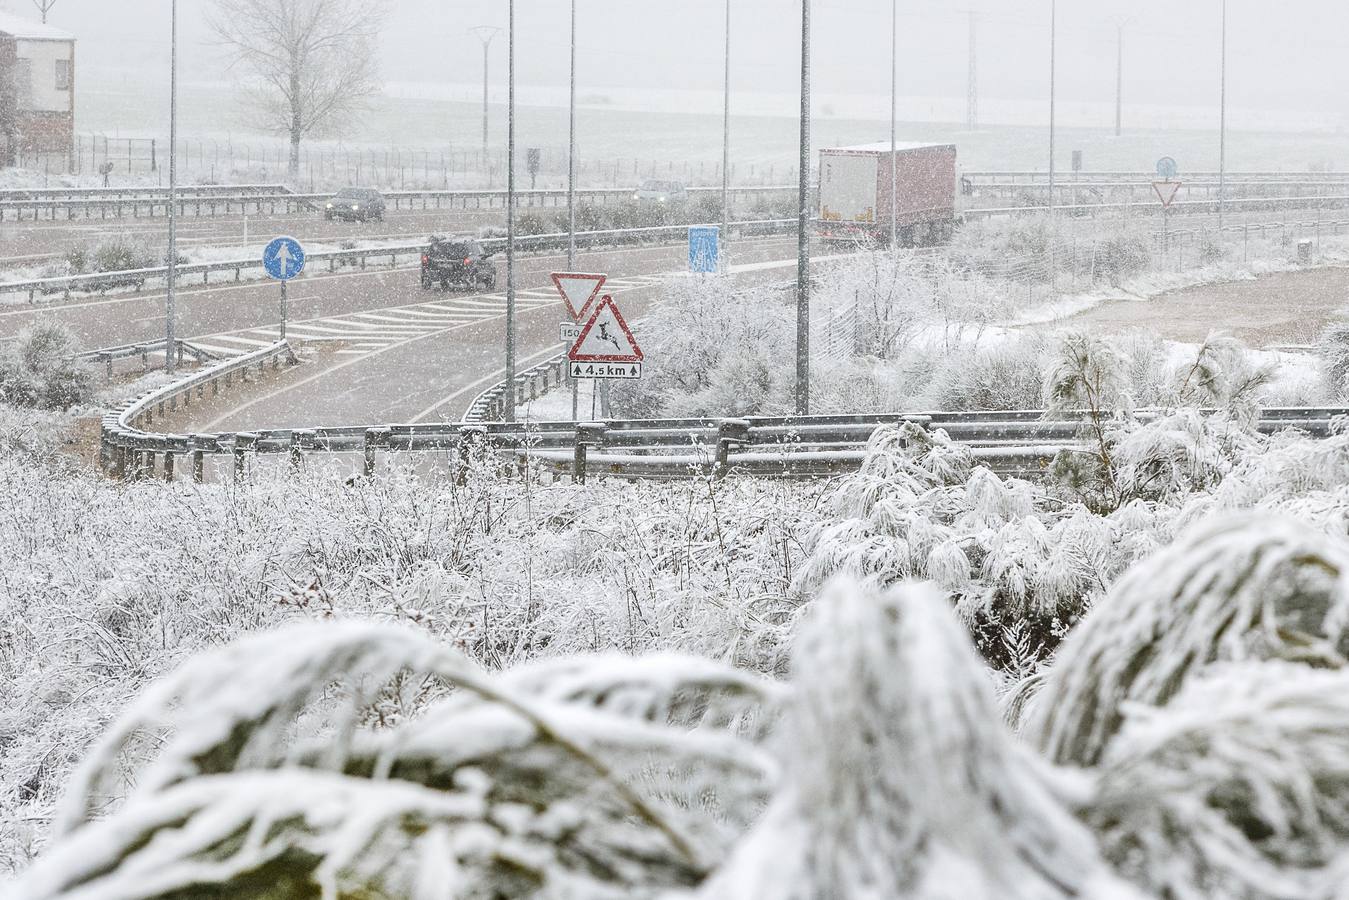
x: 37, y: 90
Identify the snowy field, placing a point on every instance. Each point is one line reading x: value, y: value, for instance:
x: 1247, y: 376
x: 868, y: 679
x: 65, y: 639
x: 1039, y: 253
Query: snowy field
x: 1123, y: 678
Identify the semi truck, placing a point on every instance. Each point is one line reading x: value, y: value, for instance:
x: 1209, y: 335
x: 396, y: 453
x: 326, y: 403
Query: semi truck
x: 855, y: 193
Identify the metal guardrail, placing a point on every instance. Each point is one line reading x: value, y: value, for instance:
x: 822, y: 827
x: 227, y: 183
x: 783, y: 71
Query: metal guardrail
x: 108, y: 355
x: 153, y: 203
x: 133, y: 192
x: 104, y: 281
x: 124, y: 446
x: 1016, y: 442
x: 1154, y: 209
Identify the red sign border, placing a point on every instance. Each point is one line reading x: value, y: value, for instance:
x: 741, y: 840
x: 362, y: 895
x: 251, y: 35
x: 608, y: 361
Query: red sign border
x: 574, y: 355
x: 1166, y: 202
x: 577, y: 316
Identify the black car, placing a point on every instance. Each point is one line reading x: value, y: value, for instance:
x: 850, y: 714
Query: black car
x: 458, y: 261
x: 356, y: 204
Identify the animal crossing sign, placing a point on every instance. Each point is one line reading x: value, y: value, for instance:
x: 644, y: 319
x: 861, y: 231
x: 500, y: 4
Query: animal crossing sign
x: 605, y: 347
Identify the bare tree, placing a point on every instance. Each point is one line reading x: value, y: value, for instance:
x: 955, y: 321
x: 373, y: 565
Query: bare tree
x: 313, y: 60
x: 44, y: 6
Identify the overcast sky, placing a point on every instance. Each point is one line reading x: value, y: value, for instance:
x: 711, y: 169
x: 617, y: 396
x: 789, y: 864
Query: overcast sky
x: 1284, y: 55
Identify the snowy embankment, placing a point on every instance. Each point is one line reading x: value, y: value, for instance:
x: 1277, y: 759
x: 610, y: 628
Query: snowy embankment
x: 110, y: 587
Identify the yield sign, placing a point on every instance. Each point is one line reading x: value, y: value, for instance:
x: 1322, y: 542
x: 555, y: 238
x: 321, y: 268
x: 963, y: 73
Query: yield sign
x: 578, y: 291
x: 606, y: 337
x: 1166, y: 192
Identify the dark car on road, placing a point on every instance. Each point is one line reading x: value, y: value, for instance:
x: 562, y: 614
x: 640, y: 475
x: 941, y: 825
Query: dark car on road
x: 458, y: 261
x: 356, y: 205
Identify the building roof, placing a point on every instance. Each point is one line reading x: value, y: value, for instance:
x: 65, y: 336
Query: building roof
x: 884, y: 147
x: 27, y: 30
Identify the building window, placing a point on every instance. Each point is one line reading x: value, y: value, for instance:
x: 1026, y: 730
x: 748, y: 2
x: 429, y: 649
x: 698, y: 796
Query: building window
x: 63, y: 74
x: 23, y: 87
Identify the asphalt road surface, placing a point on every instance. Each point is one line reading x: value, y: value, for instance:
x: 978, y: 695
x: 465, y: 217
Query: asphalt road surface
x: 23, y: 242
x: 434, y: 370
x: 1282, y: 309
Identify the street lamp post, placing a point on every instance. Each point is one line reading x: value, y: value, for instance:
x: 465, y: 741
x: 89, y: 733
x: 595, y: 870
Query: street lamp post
x: 571, y: 153
x: 894, y: 113
x: 1053, y: 47
x: 172, y: 279
x: 1222, y: 130
x: 726, y: 152
x: 510, y: 218
x: 486, y: 34
x: 803, y: 228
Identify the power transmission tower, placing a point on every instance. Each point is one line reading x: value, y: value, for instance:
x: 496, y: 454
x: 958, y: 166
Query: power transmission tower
x: 972, y: 96
x: 44, y: 6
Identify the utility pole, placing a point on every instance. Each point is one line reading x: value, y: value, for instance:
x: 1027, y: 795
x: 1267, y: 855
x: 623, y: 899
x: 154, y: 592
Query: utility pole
x: 571, y: 155
x: 803, y: 229
x: 44, y: 6
x: 1119, y: 79
x: 486, y: 34
x: 894, y: 115
x: 722, y: 260
x: 972, y: 97
x: 1053, y: 48
x: 172, y: 279
x: 1222, y: 131
x: 510, y: 217
x: 571, y: 190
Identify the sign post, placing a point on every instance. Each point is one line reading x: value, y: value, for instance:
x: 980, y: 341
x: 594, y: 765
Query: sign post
x: 283, y: 259
x: 578, y: 291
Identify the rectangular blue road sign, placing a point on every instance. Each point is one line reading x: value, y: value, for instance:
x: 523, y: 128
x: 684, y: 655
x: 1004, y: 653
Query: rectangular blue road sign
x: 703, y: 241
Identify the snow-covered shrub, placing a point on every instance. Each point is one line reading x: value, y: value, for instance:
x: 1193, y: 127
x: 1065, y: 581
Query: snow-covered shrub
x: 1237, y: 788
x: 1008, y: 375
x: 1333, y: 349
x: 250, y: 769
x: 1012, y: 555
x: 38, y: 369
x: 713, y: 354
x: 1122, y: 254
x: 899, y: 779
x: 1235, y: 589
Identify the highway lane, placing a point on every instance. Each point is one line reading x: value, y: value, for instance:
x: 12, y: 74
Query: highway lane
x: 21, y: 242
x: 435, y: 374
x: 211, y: 312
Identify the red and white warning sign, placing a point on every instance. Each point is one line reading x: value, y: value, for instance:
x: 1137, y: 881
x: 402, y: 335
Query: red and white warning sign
x: 606, y: 347
x: 578, y: 291
x: 1166, y: 192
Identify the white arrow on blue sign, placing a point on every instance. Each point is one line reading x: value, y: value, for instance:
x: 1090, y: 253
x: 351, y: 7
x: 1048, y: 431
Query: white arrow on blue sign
x: 283, y: 259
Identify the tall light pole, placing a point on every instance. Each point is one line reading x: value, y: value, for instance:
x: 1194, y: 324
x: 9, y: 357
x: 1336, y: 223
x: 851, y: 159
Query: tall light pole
x: 1053, y: 47
x: 510, y: 217
x: 169, y: 310
x: 972, y: 77
x: 1222, y: 130
x: 1119, y: 79
x: 726, y: 151
x: 894, y: 114
x: 486, y: 34
x: 803, y: 228
x: 571, y: 190
x: 571, y: 155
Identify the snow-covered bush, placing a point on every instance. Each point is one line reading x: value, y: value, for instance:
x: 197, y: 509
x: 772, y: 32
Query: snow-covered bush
x: 719, y: 355
x: 899, y: 780
x: 249, y: 770
x: 38, y: 369
x: 1237, y: 589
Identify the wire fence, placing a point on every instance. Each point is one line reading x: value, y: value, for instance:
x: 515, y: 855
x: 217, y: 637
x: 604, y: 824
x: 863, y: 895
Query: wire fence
x: 324, y: 166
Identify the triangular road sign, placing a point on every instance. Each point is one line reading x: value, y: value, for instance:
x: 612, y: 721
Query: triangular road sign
x: 1166, y: 192
x: 578, y: 291
x: 606, y: 337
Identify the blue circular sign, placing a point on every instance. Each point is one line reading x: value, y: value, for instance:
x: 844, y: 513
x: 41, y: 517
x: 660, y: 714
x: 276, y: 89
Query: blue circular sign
x: 283, y: 259
x: 1167, y: 168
